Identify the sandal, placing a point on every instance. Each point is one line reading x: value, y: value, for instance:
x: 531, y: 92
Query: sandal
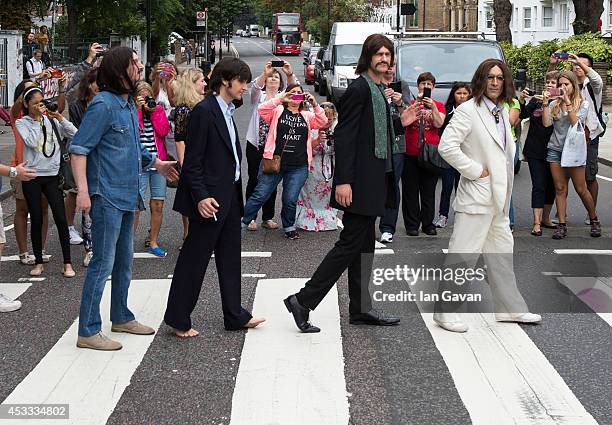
x: 37, y: 271
x: 535, y: 232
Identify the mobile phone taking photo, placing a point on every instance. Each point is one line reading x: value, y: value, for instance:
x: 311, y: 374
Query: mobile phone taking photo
x: 278, y: 64
x: 298, y: 97
x: 427, y: 92
x: 555, y: 92
x: 396, y: 86
x: 562, y: 55
x: 530, y: 92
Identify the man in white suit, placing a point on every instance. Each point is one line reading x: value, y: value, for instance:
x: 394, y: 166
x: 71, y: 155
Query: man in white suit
x: 478, y: 143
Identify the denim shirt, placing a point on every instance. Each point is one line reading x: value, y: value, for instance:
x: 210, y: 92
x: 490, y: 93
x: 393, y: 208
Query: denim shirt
x: 109, y: 136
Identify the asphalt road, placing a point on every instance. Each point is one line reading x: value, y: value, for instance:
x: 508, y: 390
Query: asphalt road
x: 396, y: 375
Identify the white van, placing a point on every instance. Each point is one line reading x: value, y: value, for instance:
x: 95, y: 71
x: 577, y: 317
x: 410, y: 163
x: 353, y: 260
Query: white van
x: 343, y: 51
x: 254, y: 28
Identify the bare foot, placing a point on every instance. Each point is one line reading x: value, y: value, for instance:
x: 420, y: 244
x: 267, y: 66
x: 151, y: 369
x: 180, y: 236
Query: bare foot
x: 254, y: 322
x: 186, y: 334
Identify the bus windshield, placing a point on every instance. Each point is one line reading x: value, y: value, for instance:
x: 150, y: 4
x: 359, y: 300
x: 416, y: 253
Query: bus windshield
x: 291, y: 37
x: 289, y: 20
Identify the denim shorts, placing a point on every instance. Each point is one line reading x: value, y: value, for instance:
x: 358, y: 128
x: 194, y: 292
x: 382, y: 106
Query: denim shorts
x: 156, y: 182
x: 553, y: 156
x: 2, y: 235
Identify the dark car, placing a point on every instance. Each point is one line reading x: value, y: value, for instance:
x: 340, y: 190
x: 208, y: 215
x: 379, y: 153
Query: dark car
x: 319, y: 82
x: 309, y: 65
x: 449, y: 59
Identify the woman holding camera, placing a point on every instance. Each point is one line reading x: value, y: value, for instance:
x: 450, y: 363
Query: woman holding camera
x: 42, y: 130
x: 313, y: 210
x: 423, y: 119
x: 154, y: 126
x: 289, y: 145
x: 566, y: 111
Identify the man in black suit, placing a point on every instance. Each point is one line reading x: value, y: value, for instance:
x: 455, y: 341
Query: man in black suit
x: 363, y: 188
x: 210, y: 194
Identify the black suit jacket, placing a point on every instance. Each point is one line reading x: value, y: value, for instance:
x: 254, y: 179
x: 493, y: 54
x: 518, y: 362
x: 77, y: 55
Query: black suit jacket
x: 209, y: 166
x: 355, y: 161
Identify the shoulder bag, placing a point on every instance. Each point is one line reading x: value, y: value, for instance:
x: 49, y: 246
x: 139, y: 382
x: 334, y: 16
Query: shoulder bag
x: 429, y: 157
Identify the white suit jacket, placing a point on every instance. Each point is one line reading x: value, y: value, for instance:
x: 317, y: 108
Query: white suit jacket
x: 470, y: 142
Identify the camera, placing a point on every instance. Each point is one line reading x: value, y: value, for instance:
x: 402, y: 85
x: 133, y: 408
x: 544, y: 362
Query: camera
x: 330, y: 139
x: 150, y: 102
x: 50, y: 105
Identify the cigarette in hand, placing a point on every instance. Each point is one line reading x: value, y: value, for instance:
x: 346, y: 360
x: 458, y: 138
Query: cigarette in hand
x: 215, y: 216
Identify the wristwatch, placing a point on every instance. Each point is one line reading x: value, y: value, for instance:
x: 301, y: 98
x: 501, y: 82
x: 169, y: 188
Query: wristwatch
x: 13, y: 172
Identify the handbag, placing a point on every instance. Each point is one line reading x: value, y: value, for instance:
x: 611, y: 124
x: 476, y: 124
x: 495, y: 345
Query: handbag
x: 574, y: 152
x: 273, y: 166
x: 66, y: 178
x: 429, y: 157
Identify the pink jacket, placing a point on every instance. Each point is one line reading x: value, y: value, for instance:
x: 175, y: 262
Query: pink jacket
x: 161, y: 128
x: 271, y: 111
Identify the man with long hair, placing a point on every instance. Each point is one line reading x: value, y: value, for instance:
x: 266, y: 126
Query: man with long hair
x: 107, y: 158
x: 478, y: 143
x: 363, y: 188
x: 210, y: 195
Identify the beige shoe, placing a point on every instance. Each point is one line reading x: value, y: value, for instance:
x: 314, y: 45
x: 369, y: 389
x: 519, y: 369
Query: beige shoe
x: 98, y: 341
x: 270, y: 224
x: 252, y: 226
x: 132, y: 327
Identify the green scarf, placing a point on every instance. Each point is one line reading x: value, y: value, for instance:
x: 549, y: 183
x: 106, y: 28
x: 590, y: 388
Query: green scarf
x: 383, y: 124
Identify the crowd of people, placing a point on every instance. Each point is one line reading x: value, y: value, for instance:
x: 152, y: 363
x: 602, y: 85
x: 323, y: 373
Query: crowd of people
x: 123, y: 133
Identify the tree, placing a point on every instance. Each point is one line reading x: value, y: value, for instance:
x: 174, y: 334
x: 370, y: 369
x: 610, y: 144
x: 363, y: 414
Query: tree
x: 588, y: 13
x: 502, y: 15
x: 17, y: 14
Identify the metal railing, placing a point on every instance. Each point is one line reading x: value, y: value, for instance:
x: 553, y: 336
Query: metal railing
x: 4, y: 72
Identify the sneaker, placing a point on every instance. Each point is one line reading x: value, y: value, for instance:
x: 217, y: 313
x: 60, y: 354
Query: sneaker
x: 98, y: 341
x: 386, y: 237
x: 595, y: 228
x: 587, y: 221
x: 75, y: 237
x: 252, y: 226
x: 26, y: 259
x: 340, y: 223
x: 270, y: 225
x: 554, y: 220
x: 158, y: 252
x: 560, y: 232
x: 87, y: 258
x: 7, y: 304
x: 292, y: 235
x: 441, y: 222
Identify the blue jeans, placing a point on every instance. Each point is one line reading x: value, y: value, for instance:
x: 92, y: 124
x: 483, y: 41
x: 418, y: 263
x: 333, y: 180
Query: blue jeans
x: 516, y: 160
x: 112, y: 235
x: 450, y: 180
x: 293, y: 178
x: 389, y: 220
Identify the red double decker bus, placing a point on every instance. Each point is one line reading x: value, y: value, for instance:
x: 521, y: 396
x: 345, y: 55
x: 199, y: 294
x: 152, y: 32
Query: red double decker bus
x: 287, y: 36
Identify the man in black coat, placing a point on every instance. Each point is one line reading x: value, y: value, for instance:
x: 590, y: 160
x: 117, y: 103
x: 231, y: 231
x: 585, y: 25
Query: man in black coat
x: 363, y: 188
x: 210, y: 194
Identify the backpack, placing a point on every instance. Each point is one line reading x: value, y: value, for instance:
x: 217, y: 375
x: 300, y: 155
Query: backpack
x: 598, y: 110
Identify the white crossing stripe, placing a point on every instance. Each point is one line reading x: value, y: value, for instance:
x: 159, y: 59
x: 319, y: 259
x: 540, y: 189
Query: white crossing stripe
x: 604, y: 178
x: 379, y: 245
x: 286, y: 377
x: 14, y: 257
x: 244, y: 254
x: 14, y: 290
x: 31, y: 279
x: 583, y: 251
x: 92, y: 382
x: 253, y: 275
x: 9, y: 227
x: 552, y: 273
x: 596, y: 292
x: 384, y: 252
x: 502, y: 377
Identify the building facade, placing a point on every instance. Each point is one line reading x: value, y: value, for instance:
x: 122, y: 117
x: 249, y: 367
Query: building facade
x: 431, y: 15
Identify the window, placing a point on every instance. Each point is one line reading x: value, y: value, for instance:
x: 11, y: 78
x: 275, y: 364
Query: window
x: 489, y: 17
x: 527, y: 18
x: 413, y: 20
x: 515, y: 18
x: 563, y: 18
x: 547, y: 16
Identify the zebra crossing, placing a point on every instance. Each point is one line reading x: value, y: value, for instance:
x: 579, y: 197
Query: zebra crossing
x: 501, y: 373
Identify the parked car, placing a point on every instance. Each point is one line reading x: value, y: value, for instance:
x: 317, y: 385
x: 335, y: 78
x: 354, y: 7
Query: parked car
x: 239, y: 32
x: 246, y: 33
x: 319, y: 83
x: 309, y: 66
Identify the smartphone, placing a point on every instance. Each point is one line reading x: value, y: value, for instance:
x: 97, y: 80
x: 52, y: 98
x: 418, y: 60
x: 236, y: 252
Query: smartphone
x: 298, y: 97
x: 396, y: 86
x: 562, y: 55
x: 427, y: 92
x: 555, y: 92
x: 278, y: 64
x: 530, y: 92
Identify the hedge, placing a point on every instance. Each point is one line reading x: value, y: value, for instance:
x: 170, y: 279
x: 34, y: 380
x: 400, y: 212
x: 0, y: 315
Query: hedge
x: 534, y: 58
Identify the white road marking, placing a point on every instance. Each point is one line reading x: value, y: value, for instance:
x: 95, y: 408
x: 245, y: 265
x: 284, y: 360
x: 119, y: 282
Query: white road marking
x: 9, y: 227
x: 379, y: 245
x: 384, y: 251
x: 254, y: 275
x: 68, y: 374
x: 31, y: 279
x: 552, y: 273
x: 14, y: 290
x: 596, y: 292
x: 502, y: 377
x: 286, y: 377
x: 583, y: 251
x: 244, y: 254
x: 604, y: 178
x: 15, y: 257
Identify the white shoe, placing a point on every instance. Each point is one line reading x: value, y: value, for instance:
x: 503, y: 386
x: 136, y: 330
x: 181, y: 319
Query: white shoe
x: 587, y: 221
x: 441, y: 222
x: 556, y: 220
x: 518, y: 317
x: 339, y: 224
x: 7, y: 304
x: 386, y: 237
x: 75, y: 238
x: 450, y: 322
x: 87, y: 258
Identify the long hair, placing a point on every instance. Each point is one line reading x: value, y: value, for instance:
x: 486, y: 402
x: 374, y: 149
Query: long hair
x: 229, y: 69
x: 28, y: 94
x: 371, y: 46
x: 291, y: 87
x: 480, y: 79
x: 84, y: 92
x: 575, y: 98
x: 18, y: 105
x: 450, y: 102
x: 185, y: 92
x: 113, y: 73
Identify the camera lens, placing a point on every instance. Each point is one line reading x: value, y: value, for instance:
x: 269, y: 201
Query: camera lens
x: 50, y: 105
x: 151, y: 103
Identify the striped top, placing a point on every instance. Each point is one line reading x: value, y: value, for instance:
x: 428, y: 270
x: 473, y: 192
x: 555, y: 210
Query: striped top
x: 147, y: 135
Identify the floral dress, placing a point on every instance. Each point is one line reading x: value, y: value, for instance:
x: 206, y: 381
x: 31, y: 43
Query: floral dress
x: 313, y: 210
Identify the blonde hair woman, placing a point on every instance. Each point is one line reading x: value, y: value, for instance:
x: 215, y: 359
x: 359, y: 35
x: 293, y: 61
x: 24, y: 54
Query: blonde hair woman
x: 563, y: 113
x: 189, y: 91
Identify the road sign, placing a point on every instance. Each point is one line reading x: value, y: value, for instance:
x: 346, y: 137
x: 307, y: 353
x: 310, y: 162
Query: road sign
x: 408, y: 9
x: 200, y: 23
x: 201, y: 15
